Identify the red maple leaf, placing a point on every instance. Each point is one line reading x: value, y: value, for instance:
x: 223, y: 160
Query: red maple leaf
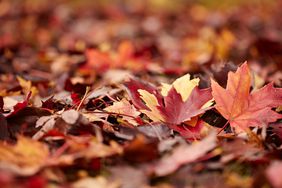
x: 244, y: 109
x: 171, y: 108
x: 175, y: 111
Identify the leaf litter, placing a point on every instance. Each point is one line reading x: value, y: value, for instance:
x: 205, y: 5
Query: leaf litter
x: 140, y: 93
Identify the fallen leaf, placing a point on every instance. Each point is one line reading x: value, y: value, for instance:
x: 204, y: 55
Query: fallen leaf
x: 126, y: 110
x: 101, y: 92
x: 95, y: 116
x: 10, y: 102
x: 176, y: 111
x: 21, y: 105
x: 128, y: 176
x: 240, y: 150
x: 141, y: 149
x: 97, y: 182
x: 152, y: 103
x: 46, y: 123
x: 27, y: 86
x: 178, y: 102
x: 24, y: 120
x: 273, y: 174
x: 183, y: 85
x: 133, y: 85
x: 116, y: 76
x: 86, y: 147
x: 155, y: 130
x: 242, y: 109
x: 70, y: 116
x: 24, y: 158
x: 185, y: 154
x: 192, y: 133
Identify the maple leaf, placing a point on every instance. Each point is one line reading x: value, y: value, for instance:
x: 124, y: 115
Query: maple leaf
x: 133, y: 85
x: 244, y: 109
x: 176, y: 111
x: 27, y: 86
x: 20, y: 105
x: 98, y: 59
x: 123, y: 57
x: 175, y: 104
x: 192, y: 132
x: 126, y: 110
x: 46, y: 123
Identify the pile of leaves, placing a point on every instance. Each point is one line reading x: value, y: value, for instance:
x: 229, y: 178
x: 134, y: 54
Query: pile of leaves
x: 140, y: 94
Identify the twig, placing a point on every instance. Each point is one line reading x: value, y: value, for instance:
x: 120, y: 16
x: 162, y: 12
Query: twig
x: 84, y: 97
x: 223, y: 127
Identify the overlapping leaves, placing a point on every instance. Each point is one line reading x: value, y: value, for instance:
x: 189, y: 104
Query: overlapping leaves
x: 183, y: 100
x: 174, y: 104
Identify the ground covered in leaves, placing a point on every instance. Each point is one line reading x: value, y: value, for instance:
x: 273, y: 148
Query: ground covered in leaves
x: 152, y: 93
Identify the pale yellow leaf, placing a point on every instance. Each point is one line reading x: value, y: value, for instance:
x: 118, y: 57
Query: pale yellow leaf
x: 27, y: 86
x: 183, y: 85
x: 151, y: 102
x: 208, y: 104
x: 95, y: 182
x: 165, y: 89
x: 258, y: 82
x: 94, y: 116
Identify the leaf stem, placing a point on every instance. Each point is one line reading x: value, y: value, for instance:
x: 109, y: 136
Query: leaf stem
x: 84, y: 97
x: 225, y: 125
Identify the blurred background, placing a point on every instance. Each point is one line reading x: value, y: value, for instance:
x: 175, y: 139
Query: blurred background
x: 178, y: 36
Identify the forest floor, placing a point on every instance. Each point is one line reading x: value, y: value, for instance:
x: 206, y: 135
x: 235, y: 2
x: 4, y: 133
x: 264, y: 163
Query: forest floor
x: 153, y: 93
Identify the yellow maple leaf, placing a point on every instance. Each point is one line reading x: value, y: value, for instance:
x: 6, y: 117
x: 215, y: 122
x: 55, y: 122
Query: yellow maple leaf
x: 27, y: 86
x: 183, y: 85
x: 151, y: 102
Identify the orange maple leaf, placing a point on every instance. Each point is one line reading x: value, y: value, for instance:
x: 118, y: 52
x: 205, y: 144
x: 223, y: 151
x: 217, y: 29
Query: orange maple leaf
x: 244, y: 109
x: 123, y: 57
